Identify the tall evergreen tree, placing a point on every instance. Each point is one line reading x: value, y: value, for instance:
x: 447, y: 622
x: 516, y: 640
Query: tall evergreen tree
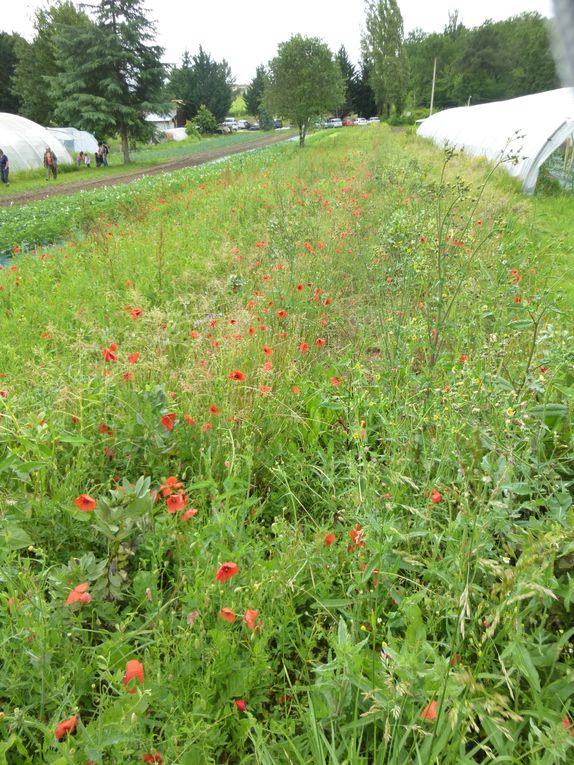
x: 364, y: 99
x: 9, y: 46
x: 254, y: 93
x: 384, y: 53
x: 201, y: 81
x: 350, y: 78
x: 110, y: 73
x: 37, y: 64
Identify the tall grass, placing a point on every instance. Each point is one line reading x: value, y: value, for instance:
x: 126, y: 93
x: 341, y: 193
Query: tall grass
x: 360, y: 388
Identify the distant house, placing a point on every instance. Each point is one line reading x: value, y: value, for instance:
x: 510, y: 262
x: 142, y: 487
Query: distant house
x: 162, y: 122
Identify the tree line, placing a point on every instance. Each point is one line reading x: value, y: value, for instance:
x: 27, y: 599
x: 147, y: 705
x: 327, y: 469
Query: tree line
x: 96, y: 66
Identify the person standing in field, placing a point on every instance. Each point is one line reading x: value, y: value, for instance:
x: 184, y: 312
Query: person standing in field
x: 50, y: 163
x: 4, y: 168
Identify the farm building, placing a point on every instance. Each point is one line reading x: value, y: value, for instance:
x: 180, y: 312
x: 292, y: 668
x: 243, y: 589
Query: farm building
x: 25, y: 141
x: 162, y: 122
x: 522, y: 133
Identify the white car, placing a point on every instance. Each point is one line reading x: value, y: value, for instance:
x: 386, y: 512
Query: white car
x: 361, y: 121
x: 334, y: 122
x: 231, y: 123
x: 374, y: 120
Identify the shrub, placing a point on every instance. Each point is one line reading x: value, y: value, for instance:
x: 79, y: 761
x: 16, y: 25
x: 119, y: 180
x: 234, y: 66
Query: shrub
x: 204, y: 121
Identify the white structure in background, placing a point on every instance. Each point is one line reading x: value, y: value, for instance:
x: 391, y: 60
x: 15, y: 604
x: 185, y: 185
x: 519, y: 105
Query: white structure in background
x: 163, y: 122
x: 25, y: 142
x: 530, y: 127
x: 75, y: 140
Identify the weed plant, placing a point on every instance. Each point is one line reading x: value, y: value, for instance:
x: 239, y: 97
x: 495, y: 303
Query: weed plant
x: 287, y: 458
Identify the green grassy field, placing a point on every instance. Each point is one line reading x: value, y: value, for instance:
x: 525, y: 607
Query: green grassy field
x: 144, y: 156
x: 287, y: 462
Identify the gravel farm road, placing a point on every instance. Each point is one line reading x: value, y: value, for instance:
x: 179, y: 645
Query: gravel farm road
x: 191, y: 161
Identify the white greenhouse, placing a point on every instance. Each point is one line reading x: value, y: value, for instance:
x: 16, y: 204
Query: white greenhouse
x: 530, y: 128
x: 75, y: 140
x: 24, y: 142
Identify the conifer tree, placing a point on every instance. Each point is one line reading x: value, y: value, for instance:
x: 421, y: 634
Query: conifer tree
x: 254, y: 93
x: 110, y: 73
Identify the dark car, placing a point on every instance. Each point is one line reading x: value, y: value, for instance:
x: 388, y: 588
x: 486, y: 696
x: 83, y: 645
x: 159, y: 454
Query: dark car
x: 254, y: 126
x: 277, y: 124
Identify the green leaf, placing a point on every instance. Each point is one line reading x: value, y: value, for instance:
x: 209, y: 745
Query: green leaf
x: 15, y: 538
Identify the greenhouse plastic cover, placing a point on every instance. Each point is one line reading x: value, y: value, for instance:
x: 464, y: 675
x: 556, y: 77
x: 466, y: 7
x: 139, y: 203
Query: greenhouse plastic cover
x: 529, y: 128
x: 24, y: 142
x: 75, y: 140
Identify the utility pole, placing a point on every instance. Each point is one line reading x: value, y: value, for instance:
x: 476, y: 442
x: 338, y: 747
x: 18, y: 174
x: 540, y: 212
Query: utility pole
x: 433, y: 84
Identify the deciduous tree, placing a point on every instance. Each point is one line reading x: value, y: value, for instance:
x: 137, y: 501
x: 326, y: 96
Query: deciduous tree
x: 304, y: 82
x: 384, y: 53
x: 9, y: 44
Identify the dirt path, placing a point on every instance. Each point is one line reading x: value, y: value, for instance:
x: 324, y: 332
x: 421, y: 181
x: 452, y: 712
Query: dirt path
x: 191, y: 161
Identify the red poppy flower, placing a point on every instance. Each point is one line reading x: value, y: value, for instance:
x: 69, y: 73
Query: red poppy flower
x: 267, y: 350
x: 189, y: 419
x: 264, y: 389
x: 329, y: 539
x: 430, y: 711
x: 79, y: 594
x: 108, y: 353
x: 358, y: 538
x: 236, y: 375
x: 281, y: 314
x: 226, y: 571
x: 133, y: 358
x: 134, y: 669
x: 168, y: 421
x: 241, y: 704
x: 296, y: 390
x: 214, y: 409
x: 176, y: 502
x: 463, y: 357
x: 66, y: 726
x: 268, y: 366
x: 303, y: 347
x: 206, y: 426
x: 568, y: 725
x: 335, y: 381
x: 227, y: 614
x: 250, y: 618
x: 320, y: 342
x: 85, y: 503
x: 191, y: 513
x: 300, y: 287
x: 157, y: 758
x: 436, y: 497
x: 171, y: 484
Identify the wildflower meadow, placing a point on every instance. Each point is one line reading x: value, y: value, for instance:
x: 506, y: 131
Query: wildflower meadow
x: 286, y: 464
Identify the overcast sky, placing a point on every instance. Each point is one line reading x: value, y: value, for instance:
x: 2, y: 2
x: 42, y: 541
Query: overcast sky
x: 246, y: 32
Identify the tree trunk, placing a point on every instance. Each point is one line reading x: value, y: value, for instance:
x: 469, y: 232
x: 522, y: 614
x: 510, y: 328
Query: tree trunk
x: 125, y: 145
x: 302, y: 133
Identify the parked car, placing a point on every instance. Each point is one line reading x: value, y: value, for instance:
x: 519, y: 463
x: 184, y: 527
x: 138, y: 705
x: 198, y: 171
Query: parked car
x: 254, y: 126
x: 243, y: 124
x: 348, y: 122
x: 374, y: 120
x: 231, y: 122
x: 277, y: 124
x: 334, y: 122
x: 361, y: 121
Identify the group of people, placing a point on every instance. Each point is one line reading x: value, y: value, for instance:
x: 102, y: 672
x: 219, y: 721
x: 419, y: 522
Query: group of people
x: 51, y: 162
x: 101, y: 156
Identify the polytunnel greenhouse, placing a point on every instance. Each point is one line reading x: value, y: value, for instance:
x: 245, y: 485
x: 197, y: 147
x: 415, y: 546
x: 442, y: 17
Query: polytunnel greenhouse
x: 24, y: 142
x: 521, y: 133
x: 75, y: 140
